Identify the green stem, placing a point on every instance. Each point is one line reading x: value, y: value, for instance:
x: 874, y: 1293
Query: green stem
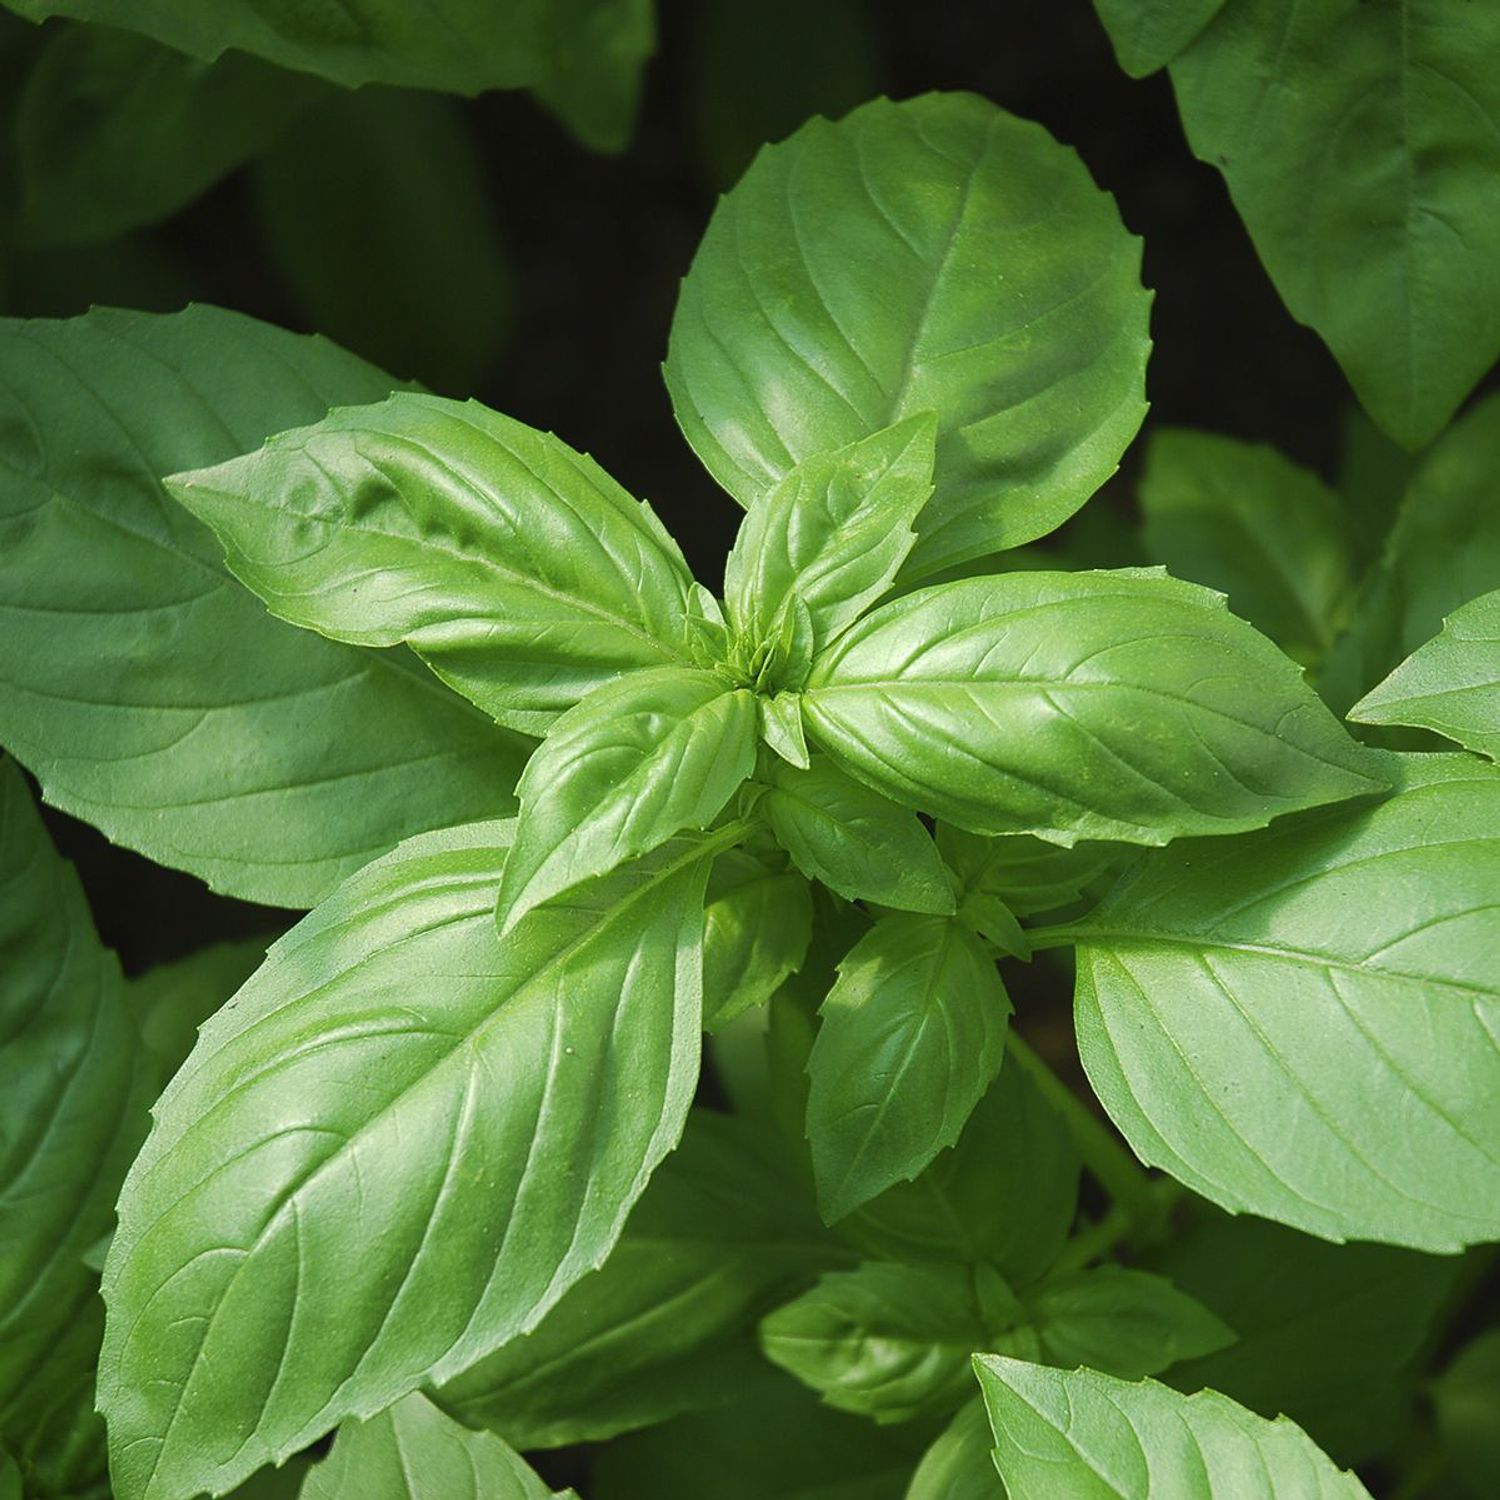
x: 1093, y: 1243
x: 1118, y: 1172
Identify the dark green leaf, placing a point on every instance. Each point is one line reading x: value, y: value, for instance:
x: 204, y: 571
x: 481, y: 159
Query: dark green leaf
x: 1148, y: 34
x: 1361, y: 144
x: 667, y: 1325
x: 1080, y: 1435
x: 1025, y: 874
x: 934, y: 255
x: 151, y: 694
x: 74, y: 1085
x: 394, y: 1151
x: 1467, y: 1398
x: 855, y: 841
x: 1243, y: 519
x: 958, y: 1466
x: 1302, y: 1023
x: 1120, y: 705
x: 516, y: 567
x: 756, y: 928
x: 1450, y: 685
x: 912, y: 1034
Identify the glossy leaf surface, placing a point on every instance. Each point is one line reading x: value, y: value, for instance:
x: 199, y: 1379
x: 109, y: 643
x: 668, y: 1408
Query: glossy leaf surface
x: 1110, y: 705
x: 515, y: 566
x: 1305, y: 1023
x: 933, y: 255
x: 150, y: 693
x: 299, y: 1241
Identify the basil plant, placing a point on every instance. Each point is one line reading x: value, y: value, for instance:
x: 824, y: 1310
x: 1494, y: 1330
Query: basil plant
x: 557, y: 807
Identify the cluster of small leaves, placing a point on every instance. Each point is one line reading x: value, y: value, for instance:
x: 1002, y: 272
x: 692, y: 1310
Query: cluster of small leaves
x: 557, y: 808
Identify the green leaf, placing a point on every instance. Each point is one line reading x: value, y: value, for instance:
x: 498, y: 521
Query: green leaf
x: 756, y: 928
x: 1451, y: 685
x: 150, y: 694
x: 1124, y: 1322
x: 10, y: 1478
x: 1114, y: 705
x: 933, y: 255
x: 412, y: 1451
x: 912, y: 1033
x: 1148, y: 34
x: 417, y: 156
x: 74, y: 1086
x: 394, y: 1151
x: 832, y: 534
x: 1007, y: 1193
x: 1302, y: 1023
x: 1324, y: 1331
x: 1025, y: 874
x: 637, y: 761
x: 775, y: 1443
x: 1246, y: 520
x: 891, y: 1342
x: 1442, y: 551
x: 583, y: 57
x: 1467, y: 1399
x: 667, y: 1324
x: 958, y: 1466
x: 855, y: 841
x: 1080, y: 1435
x: 781, y: 727
x: 517, y: 568
x: 1360, y: 144
x: 114, y: 131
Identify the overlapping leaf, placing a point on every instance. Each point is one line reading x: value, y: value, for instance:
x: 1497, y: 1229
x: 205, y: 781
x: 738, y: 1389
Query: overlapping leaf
x: 756, y: 928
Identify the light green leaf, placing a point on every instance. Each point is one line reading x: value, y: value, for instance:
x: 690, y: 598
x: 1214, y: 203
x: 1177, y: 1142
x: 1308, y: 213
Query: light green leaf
x: 412, y: 1451
x: 1324, y: 1331
x: 667, y: 1325
x: 417, y: 156
x: 912, y: 1033
x: 855, y: 841
x: 1305, y: 1023
x: 958, y: 1466
x: 582, y: 57
x: 832, y: 534
x: 393, y: 1151
x: 1080, y: 1435
x: 152, y: 695
x: 114, y: 132
x: 74, y: 1086
x: 1451, y: 685
x: 891, y: 1342
x: 517, y: 568
x: 1025, y: 874
x: 1148, y: 34
x: 1467, y: 1399
x: 637, y: 761
x: 1246, y: 520
x: 1360, y: 144
x: 933, y: 255
x: 1125, y: 1322
x: 1115, y: 705
x: 756, y: 928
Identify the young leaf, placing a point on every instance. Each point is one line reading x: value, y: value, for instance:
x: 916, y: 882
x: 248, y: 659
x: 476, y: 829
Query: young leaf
x: 1080, y: 1435
x: 1360, y: 148
x: 891, y: 1342
x: 933, y: 255
x: 958, y: 1466
x: 1302, y: 1023
x: 912, y: 1034
x: 1148, y: 34
x: 856, y: 842
x: 833, y: 533
x: 151, y: 694
x: 1467, y: 1399
x: 114, y: 131
x: 756, y: 928
x: 781, y: 727
x: 667, y: 1324
x: 582, y: 57
x: 394, y: 1150
x: 414, y: 1452
x: 517, y: 568
x: 635, y: 762
x: 1246, y: 520
x: 74, y: 1085
x: 1124, y: 1322
x: 1451, y: 685
x: 1119, y: 705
